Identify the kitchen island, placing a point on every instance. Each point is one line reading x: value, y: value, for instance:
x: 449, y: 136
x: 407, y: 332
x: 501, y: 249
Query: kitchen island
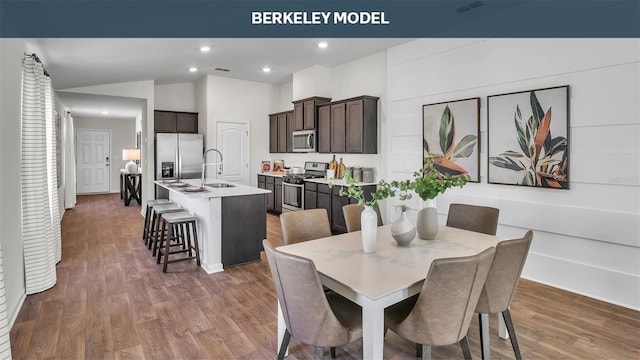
x: 231, y: 220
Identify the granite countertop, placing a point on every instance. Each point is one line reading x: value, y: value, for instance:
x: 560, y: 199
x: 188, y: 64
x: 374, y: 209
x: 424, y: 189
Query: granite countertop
x: 272, y: 174
x: 235, y: 190
x: 337, y: 182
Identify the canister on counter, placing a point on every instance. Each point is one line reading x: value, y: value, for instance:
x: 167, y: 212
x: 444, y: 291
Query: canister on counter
x: 367, y: 175
x: 357, y: 174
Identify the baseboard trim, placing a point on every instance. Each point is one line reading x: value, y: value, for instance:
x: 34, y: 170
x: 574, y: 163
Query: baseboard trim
x: 16, y: 311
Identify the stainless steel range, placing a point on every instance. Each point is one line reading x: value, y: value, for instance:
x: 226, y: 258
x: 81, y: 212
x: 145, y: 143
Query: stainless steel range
x: 293, y: 185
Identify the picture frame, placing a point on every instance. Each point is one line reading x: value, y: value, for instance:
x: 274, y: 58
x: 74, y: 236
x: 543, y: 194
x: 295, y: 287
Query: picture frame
x: 528, y: 138
x: 451, y: 133
x: 266, y: 166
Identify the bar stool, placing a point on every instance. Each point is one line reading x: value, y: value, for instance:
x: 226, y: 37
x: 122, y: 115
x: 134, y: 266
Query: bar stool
x: 156, y: 221
x: 181, y: 229
x: 147, y: 217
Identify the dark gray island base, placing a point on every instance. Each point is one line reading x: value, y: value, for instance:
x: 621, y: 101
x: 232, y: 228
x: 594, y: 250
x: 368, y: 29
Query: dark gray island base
x: 244, y: 226
x: 232, y: 220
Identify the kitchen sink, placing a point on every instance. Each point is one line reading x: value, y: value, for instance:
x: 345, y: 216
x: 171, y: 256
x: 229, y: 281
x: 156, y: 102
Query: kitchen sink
x: 219, y: 185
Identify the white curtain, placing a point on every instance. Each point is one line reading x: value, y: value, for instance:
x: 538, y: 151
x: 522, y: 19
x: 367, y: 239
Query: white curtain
x: 40, y: 224
x: 5, y: 345
x: 70, y: 163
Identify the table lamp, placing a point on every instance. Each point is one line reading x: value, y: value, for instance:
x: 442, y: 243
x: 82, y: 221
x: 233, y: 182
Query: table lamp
x: 131, y: 155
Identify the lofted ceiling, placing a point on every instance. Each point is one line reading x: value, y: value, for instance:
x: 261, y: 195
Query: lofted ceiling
x: 82, y: 62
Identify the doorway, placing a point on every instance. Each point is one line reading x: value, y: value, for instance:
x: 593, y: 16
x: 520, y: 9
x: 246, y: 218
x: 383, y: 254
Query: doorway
x: 93, y: 161
x: 233, y: 140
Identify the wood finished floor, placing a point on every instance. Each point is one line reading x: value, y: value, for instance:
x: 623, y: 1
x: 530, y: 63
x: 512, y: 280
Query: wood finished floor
x: 113, y: 302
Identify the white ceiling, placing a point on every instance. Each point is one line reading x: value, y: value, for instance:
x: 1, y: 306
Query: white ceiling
x: 86, y: 62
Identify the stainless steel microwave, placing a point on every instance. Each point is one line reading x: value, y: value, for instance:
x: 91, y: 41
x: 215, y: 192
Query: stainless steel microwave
x: 305, y: 141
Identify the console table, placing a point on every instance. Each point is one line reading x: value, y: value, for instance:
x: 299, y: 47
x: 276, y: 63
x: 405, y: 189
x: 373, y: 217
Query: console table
x: 130, y: 187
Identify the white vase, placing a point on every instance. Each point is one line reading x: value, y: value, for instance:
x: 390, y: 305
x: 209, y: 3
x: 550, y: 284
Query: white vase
x: 427, y: 222
x: 402, y: 230
x: 369, y: 228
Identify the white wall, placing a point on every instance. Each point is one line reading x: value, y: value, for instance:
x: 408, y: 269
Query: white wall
x: 140, y: 90
x: 122, y: 137
x: 11, y: 53
x: 312, y: 81
x: 286, y: 97
x: 240, y: 101
x: 175, y: 97
x: 586, y: 239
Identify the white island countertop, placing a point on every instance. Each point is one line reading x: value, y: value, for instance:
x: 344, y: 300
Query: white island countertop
x: 211, y: 192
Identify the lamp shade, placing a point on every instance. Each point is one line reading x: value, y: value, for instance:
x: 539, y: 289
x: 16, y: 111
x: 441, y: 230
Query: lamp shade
x: 131, y: 155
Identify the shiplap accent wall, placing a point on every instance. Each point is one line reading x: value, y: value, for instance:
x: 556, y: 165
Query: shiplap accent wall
x: 587, y: 238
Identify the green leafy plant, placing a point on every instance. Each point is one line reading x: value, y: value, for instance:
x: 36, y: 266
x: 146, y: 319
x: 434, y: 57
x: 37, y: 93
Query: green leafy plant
x: 543, y: 159
x: 355, y: 191
x: 445, y: 162
x: 428, y: 182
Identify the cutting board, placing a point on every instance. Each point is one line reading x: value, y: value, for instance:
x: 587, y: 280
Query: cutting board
x: 333, y: 164
x: 340, y: 169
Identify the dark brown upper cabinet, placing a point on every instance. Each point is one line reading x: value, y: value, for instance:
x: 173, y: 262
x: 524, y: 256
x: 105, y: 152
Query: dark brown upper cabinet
x: 280, y: 138
x: 305, y: 112
x: 175, y: 122
x: 324, y: 128
x: 349, y: 126
x: 290, y: 125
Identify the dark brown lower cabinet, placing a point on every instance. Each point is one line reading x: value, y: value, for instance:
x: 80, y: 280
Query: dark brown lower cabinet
x: 273, y: 202
x: 320, y: 196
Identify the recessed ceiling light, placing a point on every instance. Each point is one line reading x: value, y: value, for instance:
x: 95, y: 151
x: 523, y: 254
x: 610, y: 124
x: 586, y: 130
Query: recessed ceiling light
x: 266, y: 69
x: 105, y: 112
x: 205, y: 48
x: 193, y: 69
x: 322, y: 44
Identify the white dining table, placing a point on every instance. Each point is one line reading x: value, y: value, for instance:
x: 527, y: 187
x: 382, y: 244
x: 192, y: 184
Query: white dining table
x: 389, y: 275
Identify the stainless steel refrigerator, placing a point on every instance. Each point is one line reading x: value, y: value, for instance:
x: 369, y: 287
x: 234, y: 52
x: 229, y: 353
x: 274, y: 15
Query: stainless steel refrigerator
x: 178, y: 156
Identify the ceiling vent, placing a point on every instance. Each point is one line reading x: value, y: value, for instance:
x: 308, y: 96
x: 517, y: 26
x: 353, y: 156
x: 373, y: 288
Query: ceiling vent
x: 222, y: 69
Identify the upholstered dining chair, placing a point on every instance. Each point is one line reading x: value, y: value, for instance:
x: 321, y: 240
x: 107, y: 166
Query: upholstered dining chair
x: 482, y: 219
x: 352, y: 213
x: 500, y: 287
x: 441, y: 313
x: 311, y: 315
x: 303, y: 225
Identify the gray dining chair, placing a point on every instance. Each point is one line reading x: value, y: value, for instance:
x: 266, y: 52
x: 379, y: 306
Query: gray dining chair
x: 311, y: 315
x: 304, y: 225
x: 500, y: 287
x: 352, y: 213
x: 441, y: 313
x: 476, y: 218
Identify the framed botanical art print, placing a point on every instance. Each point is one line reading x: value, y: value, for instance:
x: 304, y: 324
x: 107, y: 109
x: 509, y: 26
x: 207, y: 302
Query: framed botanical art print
x: 451, y: 133
x: 528, y: 136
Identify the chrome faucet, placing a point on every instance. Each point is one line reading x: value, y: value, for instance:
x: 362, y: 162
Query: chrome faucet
x: 204, y: 164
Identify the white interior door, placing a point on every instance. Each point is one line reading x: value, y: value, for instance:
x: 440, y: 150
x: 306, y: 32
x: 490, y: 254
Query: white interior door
x: 93, y: 161
x: 233, y: 142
